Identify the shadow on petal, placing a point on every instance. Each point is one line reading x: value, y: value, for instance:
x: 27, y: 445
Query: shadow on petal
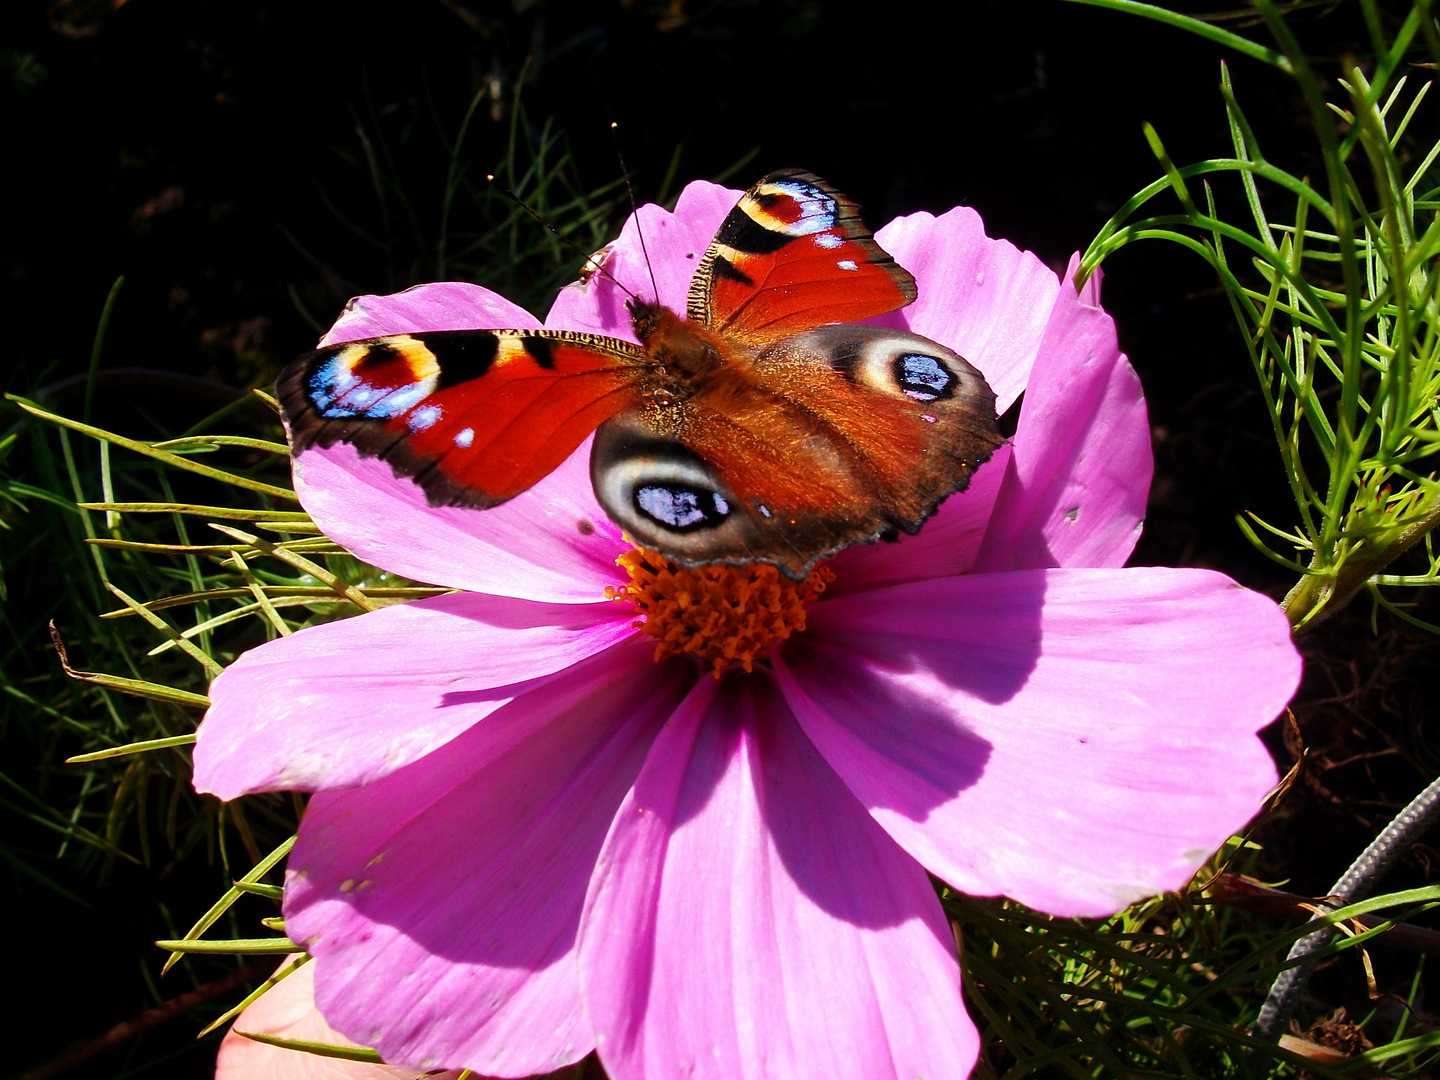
x: 460, y: 877
x: 884, y: 675
x: 987, y: 646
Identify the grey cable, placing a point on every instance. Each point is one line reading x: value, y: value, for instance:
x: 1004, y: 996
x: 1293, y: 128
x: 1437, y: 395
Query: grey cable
x: 1355, y: 884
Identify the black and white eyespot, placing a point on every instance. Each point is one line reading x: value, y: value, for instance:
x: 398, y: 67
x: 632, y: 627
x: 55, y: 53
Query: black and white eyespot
x: 662, y: 495
x: 679, y: 504
x: 924, y: 377
x: 894, y: 362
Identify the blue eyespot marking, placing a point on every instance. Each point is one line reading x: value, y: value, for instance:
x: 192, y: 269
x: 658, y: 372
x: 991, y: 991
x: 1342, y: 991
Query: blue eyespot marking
x: 817, y: 209
x: 924, y: 378
x: 328, y: 382
x: 337, y: 391
x: 681, y: 508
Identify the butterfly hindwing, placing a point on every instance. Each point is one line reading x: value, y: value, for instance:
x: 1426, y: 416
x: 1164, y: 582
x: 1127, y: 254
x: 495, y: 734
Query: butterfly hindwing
x: 792, y: 255
x: 837, y: 436
x: 473, y: 416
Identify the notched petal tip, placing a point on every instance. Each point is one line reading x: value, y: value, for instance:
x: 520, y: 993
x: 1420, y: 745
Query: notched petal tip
x: 984, y: 298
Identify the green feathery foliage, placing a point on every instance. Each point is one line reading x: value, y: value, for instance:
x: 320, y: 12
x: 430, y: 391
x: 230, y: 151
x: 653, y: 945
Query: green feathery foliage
x: 1337, y: 295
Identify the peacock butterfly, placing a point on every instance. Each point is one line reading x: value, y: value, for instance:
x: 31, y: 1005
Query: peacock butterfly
x: 765, y: 425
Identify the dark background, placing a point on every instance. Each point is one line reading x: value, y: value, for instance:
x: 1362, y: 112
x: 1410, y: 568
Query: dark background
x: 215, y: 154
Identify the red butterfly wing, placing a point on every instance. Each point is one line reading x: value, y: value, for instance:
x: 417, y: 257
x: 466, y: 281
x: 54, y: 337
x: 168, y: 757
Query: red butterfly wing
x: 474, y: 416
x: 791, y: 256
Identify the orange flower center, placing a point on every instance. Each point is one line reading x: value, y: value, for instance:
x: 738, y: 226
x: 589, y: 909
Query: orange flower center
x: 725, y: 615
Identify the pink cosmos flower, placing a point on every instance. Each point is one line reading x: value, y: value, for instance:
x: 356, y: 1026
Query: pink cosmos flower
x: 529, y: 839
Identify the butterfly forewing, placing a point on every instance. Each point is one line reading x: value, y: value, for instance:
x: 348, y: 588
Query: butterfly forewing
x: 473, y: 416
x: 791, y: 256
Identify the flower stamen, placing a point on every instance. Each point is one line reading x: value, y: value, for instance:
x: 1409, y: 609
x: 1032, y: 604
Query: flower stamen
x: 725, y: 615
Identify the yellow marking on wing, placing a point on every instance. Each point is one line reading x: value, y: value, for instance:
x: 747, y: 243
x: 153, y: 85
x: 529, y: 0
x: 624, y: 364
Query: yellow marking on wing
x: 756, y: 212
x: 512, y: 351
x: 350, y: 355
x: 417, y: 356
x: 733, y: 256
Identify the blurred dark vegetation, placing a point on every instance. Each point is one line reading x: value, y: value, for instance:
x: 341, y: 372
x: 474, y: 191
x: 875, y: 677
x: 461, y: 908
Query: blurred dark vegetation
x: 248, y: 167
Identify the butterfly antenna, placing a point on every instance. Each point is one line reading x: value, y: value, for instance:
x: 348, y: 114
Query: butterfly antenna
x: 589, y: 257
x: 634, y: 209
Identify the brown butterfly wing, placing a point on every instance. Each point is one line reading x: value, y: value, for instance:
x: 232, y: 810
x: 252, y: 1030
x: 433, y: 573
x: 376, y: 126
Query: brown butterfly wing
x: 791, y: 256
x: 832, y: 437
x: 473, y: 416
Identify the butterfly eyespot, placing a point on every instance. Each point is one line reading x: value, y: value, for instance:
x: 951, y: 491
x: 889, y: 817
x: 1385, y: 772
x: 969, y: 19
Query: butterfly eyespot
x: 663, y: 496
x: 894, y: 362
x: 794, y: 208
x: 681, y: 508
x: 379, y: 379
x: 924, y: 378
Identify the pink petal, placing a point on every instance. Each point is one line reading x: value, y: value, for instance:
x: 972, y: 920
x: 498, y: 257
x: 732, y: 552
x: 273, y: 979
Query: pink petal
x: 442, y: 902
x: 288, y: 1011
x: 675, y: 244
x: 747, y: 919
x: 350, y: 701
x: 946, y: 545
x: 444, y: 305
x: 1075, y: 490
x: 1073, y: 739
x: 986, y: 299
x: 551, y: 543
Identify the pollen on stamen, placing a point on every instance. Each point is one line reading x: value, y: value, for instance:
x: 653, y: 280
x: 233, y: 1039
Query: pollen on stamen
x: 728, y: 616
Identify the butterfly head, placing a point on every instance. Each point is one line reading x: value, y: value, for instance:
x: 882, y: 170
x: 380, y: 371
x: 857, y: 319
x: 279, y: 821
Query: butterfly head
x: 644, y: 317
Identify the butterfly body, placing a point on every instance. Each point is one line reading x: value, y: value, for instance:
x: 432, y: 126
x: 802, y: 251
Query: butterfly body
x: 761, y: 426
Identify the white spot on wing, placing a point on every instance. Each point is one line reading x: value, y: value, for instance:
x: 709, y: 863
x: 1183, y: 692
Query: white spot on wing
x: 424, y: 417
x: 464, y: 437
x: 847, y: 264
